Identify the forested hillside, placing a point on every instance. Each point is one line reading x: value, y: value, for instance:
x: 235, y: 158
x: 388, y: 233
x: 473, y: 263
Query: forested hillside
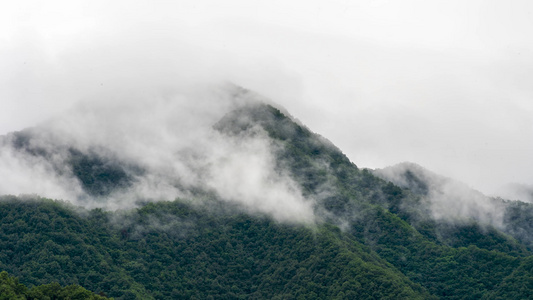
x: 370, y: 238
x: 200, y: 255
x: 11, y: 288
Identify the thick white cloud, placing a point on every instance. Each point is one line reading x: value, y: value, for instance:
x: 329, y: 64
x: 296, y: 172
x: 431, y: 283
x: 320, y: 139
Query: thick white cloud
x: 170, y: 139
x: 443, y: 83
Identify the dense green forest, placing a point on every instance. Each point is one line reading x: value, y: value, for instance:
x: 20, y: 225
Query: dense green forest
x: 11, y: 288
x: 373, y: 239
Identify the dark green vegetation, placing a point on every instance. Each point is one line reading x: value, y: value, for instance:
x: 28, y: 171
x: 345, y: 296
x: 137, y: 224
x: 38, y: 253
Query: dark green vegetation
x: 12, y: 289
x: 222, y: 255
x: 374, y: 240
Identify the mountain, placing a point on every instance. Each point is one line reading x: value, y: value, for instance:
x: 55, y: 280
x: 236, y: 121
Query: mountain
x: 454, y: 204
x: 255, y: 205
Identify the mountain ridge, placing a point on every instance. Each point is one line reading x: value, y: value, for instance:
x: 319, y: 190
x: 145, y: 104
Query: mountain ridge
x: 352, y: 233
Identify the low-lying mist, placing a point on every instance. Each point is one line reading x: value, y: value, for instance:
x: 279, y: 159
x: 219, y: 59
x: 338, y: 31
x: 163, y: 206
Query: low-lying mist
x: 166, y: 146
x: 447, y: 199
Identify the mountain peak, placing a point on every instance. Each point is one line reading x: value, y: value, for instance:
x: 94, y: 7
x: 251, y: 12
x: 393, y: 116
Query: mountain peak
x: 212, y: 175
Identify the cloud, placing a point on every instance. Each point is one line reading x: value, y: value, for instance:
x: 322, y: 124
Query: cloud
x: 443, y: 84
x: 171, y: 139
x: 516, y: 191
x: 23, y: 173
x: 249, y: 173
x: 445, y: 198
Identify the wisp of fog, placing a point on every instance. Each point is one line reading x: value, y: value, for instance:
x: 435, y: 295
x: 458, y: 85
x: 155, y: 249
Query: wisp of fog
x: 447, y: 199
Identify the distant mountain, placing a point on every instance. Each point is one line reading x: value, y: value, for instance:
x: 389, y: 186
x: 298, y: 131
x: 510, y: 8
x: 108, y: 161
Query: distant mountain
x: 254, y: 206
x: 453, y: 203
x: 444, y: 198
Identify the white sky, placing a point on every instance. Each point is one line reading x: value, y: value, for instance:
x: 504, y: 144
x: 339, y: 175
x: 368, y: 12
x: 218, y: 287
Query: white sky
x: 446, y: 84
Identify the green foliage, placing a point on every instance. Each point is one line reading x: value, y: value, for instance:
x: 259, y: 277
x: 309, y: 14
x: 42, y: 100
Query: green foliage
x: 237, y: 256
x: 517, y: 219
x: 11, y: 289
x: 98, y: 176
x: 221, y: 256
x: 518, y: 285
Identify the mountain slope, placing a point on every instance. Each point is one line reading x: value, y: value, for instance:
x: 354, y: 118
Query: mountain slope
x: 361, y: 236
x: 200, y: 255
x: 350, y: 195
x: 457, y: 208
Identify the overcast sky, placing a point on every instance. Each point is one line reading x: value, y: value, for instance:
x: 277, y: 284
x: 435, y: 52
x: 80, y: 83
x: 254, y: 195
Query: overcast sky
x: 445, y: 84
